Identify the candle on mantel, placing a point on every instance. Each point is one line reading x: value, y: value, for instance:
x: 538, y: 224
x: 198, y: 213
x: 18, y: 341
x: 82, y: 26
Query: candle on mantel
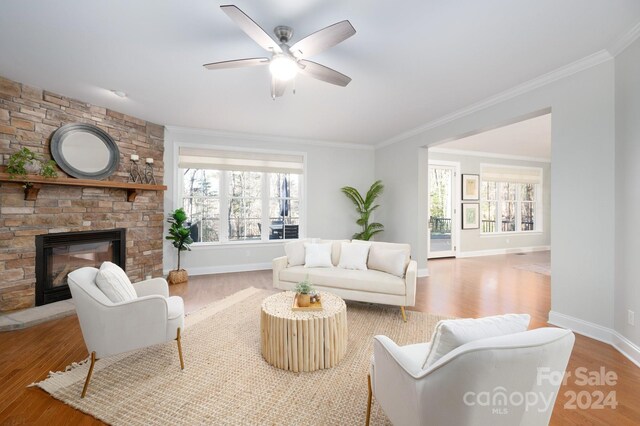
x: 149, y: 160
x: 134, y: 157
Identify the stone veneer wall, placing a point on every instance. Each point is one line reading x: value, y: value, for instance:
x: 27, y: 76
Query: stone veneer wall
x: 28, y: 117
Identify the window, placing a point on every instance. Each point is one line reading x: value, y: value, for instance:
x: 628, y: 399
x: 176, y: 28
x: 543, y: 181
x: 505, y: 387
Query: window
x: 201, y: 202
x: 510, y: 199
x: 240, y: 196
x: 245, y: 205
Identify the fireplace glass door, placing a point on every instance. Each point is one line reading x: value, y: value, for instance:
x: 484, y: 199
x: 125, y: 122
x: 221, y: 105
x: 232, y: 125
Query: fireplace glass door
x: 65, y: 259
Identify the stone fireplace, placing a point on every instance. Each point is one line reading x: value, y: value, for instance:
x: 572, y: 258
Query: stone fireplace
x: 28, y: 117
x: 59, y: 254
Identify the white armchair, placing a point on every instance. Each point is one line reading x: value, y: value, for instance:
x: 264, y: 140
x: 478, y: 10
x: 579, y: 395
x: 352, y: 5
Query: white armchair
x: 112, y: 328
x: 506, y: 380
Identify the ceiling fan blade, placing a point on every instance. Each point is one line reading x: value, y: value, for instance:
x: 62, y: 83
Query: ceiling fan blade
x: 320, y: 72
x: 252, y: 29
x: 323, y: 39
x: 237, y: 63
x: 277, y: 87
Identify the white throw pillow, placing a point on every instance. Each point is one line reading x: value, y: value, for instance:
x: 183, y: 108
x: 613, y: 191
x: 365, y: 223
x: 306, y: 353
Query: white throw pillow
x: 317, y: 255
x: 354, y: 256
x: 450, y: 334
x: 295, y: 252
x: 391, y: 261
x: 115, y: 283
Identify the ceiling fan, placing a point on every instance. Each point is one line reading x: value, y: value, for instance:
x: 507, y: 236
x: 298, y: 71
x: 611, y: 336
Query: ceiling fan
x: 287, y: 61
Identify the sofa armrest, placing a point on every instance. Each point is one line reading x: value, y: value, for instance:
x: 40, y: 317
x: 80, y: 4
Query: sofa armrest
x: 278, y: 264
x: 410, y: 278
x: 153, y: 286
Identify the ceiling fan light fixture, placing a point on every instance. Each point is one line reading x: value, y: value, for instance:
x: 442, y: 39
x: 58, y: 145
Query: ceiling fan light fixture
x: 283, y: 67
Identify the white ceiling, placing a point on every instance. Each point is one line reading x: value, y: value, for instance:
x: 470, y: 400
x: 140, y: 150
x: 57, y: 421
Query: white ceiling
x: 529, y: 138
x: 411, y: 61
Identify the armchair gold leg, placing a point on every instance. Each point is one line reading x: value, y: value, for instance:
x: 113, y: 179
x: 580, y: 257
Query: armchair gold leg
x: 180, y: 350
x: 86, y: 382
x: 404, y: 315
x: 368, y: 400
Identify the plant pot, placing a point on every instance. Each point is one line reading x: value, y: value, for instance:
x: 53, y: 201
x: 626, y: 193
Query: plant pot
x: 304, y: 300
x: 177, y: 276
x: 31, y: 193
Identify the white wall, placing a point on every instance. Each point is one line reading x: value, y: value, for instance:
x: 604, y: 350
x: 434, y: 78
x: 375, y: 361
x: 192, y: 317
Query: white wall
x: 471, y: 240
x: 329, y: 214
x: 583, y: 142
x: 627, y: 289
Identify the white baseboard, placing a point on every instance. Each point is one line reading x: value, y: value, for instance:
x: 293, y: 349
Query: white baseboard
x: 502, y: 251
x: 627, y: 348
x: 598, y: 332
x: 206, y: 270
x: 423, y: 272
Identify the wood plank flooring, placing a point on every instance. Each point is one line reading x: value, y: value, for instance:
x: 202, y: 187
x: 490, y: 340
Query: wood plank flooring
x: 470, y: 287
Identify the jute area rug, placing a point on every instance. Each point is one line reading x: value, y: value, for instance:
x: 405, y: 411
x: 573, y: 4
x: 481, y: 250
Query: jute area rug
x: 538, y: 268
x: 226, y: 380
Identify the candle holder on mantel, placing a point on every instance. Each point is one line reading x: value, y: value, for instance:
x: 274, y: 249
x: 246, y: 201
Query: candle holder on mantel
x: 134, y: 170
x: 148, y: 172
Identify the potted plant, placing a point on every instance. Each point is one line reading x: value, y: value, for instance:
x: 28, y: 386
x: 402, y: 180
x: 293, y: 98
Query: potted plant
x: 303, y: 290
x: 25, y: 162
x: 364, y: 207
x: 180, y: 236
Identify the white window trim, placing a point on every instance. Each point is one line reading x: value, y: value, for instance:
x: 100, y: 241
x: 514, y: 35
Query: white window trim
x: 539, y: 206
x: 223, y: 197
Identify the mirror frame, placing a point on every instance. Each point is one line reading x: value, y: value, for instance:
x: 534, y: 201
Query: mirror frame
x: 63, y: 132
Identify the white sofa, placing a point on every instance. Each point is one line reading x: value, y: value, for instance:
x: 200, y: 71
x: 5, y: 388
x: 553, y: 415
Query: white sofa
x: 361, y: 285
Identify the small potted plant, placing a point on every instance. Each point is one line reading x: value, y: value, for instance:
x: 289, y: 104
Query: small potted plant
x: 180, y: 236
x: 25, y: 162
x: 304, y: 290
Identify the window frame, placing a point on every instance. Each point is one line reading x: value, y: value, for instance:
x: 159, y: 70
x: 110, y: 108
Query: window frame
x: 224, y: 198
x: 538, y: 203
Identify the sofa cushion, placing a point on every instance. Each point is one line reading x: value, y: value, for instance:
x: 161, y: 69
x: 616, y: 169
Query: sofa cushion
x: 450, y: 334
x: 336, y: 246
x: 317, y: 255
x: 367, y: 281
x: 391, y: 261
x: 294, y: 250
x: 115, y: 283
x: 354, y: 256
x: 175, y: 307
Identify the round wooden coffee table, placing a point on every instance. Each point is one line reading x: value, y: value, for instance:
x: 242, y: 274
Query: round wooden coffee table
x: 303, y: 340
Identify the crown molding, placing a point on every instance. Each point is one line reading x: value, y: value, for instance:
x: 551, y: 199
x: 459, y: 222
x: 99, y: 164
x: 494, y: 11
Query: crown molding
x: 178, y: 130
x: 489, y: 155
x: 625, y: 40
x: 558, y: 74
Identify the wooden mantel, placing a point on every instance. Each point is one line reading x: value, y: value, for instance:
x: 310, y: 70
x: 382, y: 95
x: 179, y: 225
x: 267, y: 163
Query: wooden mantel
x: 38, y: 181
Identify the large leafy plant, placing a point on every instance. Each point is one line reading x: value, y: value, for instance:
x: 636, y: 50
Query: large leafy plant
x: 365, y: 207
x: 179, y: 233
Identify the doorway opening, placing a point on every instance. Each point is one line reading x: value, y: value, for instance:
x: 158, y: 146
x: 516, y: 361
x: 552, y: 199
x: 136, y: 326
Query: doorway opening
x: 443, y: 185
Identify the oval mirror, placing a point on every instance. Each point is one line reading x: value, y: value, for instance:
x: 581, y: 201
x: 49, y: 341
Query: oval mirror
x: 85, y: 151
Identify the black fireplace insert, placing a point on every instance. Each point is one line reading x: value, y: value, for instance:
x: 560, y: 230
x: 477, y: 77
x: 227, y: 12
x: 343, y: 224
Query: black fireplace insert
x: 59, y: 254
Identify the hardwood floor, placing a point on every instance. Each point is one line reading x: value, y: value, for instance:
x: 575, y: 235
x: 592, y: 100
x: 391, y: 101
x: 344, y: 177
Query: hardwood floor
x: 470, y: 287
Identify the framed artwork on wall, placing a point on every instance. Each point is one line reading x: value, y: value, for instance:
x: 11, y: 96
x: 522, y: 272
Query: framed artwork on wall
x: 471, y: 216
x: 470, y: 187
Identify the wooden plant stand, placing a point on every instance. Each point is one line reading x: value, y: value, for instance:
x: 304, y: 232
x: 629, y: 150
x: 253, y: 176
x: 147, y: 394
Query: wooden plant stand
x: 303, y: 340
